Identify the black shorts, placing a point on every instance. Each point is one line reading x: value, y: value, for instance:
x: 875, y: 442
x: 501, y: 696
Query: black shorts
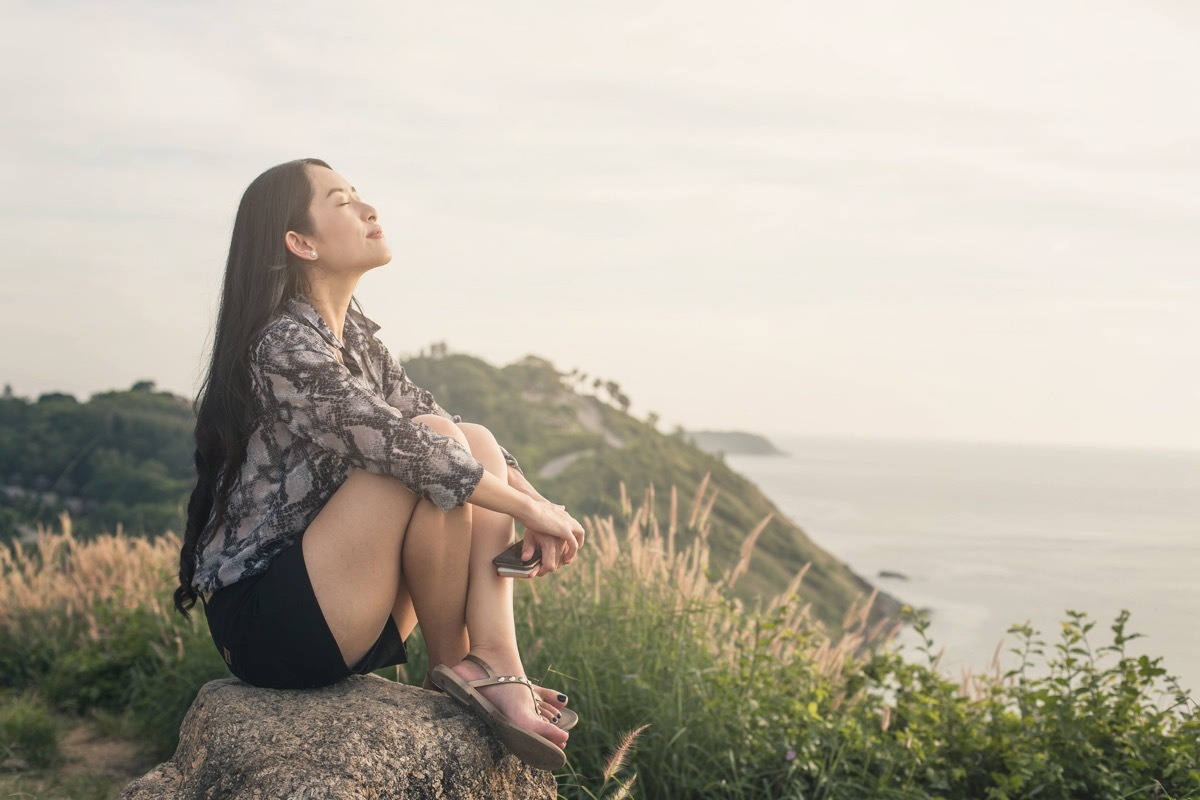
x: 271, y: 632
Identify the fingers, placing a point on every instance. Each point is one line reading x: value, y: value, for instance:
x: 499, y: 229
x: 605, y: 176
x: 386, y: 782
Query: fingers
x: 557, y: 534
x: 551, y: 557
x: 577, y: 534
x: 528, y: 549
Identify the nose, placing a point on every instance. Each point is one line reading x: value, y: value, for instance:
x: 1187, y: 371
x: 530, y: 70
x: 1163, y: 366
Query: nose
x: 371, y: 214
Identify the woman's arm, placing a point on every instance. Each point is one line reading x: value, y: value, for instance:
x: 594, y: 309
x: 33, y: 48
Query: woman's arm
x: 547, y: 526
x: 306, y: 388
x: 401, y: 393
x: 518, y: 481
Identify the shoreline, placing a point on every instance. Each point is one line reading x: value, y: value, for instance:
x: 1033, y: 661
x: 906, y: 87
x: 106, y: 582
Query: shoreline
x: 981, y: 561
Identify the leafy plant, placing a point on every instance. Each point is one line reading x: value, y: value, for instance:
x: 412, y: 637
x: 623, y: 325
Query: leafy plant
x: 728, y: 699
x: 27, y: 731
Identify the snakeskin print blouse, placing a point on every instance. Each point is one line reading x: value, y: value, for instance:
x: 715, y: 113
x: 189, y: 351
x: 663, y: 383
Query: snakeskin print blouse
x: 317, y: 419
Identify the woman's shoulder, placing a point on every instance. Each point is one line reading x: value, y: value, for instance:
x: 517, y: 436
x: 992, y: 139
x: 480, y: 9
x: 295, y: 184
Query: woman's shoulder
x: 286, y: 330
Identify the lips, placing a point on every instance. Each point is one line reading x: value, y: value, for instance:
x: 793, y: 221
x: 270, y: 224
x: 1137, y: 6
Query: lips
x: 376, y: 234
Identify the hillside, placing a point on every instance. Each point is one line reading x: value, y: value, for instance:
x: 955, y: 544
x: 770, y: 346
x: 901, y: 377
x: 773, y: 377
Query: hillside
x: 579, y: 448
x: 733, y: 443
x: 125, y: 458
x: 121, y: 458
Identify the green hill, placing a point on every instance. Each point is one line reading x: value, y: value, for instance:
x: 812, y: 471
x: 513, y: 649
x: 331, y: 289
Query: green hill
x: 125, y: 458
x: 121, y: 458
x: 578, y: 449
x: 733, y: 443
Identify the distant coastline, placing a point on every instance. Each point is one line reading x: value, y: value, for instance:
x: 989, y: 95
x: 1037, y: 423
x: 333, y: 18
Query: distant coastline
x: 733, y: 443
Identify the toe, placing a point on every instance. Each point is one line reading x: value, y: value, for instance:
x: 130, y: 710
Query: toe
x: 551, y: 697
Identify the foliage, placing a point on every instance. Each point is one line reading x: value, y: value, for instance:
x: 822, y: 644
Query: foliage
x: 27, y: 731
x: 760, y: 701
x: 684, y: 690
x: 120, y: 459
x: 536, y: 412
x: 91, y: 627
x: 53, y: 786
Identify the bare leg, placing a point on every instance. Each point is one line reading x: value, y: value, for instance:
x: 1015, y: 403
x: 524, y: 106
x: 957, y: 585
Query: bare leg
x: 490, y: 601
x: 377, y: 549
x: 352, y: 551
x: 434, y: 574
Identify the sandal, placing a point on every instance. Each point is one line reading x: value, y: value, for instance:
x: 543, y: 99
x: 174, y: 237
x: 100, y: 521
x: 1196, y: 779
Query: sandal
x: 564, y: 720
x: 526, y: 745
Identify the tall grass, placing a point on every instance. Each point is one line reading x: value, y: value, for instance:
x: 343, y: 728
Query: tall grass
x: 683, y: 691
x: 645, y: 633
x: 90, y: 625
x: 760, y: 701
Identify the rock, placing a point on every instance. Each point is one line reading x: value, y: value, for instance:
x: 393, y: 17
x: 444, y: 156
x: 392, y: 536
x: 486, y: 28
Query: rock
x: 364, y: 737
x: 887, y: 573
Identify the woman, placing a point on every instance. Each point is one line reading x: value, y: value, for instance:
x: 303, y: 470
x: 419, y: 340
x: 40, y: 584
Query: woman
x: 336, y: 504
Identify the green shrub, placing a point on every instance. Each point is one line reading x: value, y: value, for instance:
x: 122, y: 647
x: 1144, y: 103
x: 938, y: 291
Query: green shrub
x: 100, y: 673
x: 164, y: 686
x: 761, y: 703
x: 28, y: 731
x: 684, y: 690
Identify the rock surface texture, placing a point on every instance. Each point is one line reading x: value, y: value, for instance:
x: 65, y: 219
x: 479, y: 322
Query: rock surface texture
x: 365, y: 737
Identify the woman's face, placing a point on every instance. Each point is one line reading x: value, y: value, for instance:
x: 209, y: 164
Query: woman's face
x: 346, y: 233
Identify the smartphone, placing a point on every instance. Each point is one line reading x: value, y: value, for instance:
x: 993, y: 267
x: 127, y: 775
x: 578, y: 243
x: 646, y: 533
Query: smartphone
x: 509, y: 563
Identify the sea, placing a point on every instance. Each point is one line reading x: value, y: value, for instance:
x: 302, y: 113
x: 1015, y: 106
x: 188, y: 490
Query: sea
x: 986, y: 536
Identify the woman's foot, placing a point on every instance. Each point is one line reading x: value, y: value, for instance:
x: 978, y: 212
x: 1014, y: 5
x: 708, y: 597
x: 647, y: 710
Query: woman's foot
x: 515, y: 701
x: 551, y: 703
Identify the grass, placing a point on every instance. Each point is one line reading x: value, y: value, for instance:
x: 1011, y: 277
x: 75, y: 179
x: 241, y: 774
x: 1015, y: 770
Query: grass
x: 683, y: 689
x: 28, y: 732
x: 48, y: 786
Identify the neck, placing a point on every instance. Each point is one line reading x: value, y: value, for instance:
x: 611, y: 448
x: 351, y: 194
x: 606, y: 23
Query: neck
x: 331, y: 297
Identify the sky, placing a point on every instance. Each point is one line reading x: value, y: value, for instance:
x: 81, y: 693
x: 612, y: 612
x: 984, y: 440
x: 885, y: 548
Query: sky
x: 926, y: 220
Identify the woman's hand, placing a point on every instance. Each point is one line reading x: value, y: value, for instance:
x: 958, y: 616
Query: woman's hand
x: 547, y: 526
x: 556, y: 533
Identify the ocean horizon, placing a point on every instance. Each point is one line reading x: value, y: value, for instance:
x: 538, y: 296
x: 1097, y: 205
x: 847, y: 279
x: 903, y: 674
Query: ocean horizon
x: 984, y: 536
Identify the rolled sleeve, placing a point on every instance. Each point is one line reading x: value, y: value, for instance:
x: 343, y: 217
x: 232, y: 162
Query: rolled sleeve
x: 412, y: 400
x: 511, y: 460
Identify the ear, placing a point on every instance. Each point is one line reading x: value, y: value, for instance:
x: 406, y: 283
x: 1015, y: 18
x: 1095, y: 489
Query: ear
x: 300, y: 246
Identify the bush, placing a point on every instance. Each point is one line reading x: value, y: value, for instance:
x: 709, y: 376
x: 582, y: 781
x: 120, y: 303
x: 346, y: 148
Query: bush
x: 759, y: 702
x: 164, y: 686
x: 27, y: 731
x: 91, y: 625
x: 689, y: 692
x: 99, y: 675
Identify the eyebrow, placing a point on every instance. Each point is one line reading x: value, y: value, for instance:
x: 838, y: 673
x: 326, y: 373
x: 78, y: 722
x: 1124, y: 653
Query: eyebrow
x: 340, y: 189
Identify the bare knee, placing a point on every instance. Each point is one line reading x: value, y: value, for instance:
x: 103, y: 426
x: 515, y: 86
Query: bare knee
x: 443, y: 426
x: 477, y: 434
x: 483, y: 445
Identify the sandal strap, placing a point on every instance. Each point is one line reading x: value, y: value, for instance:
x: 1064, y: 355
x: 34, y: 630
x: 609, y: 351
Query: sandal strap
x: 487, y: 668
x: 493, y: 679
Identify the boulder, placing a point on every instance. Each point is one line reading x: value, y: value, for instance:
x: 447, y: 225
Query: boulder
x: 364, y: 737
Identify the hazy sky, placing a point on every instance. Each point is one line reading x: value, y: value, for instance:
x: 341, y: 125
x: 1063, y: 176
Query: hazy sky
x: 931, y: 219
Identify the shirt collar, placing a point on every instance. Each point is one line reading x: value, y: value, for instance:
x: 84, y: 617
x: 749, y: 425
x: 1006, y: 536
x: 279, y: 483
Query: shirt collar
x: 358, y: 326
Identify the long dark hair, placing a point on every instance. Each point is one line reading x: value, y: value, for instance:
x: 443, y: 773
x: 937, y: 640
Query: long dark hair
x: 260, y: 276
